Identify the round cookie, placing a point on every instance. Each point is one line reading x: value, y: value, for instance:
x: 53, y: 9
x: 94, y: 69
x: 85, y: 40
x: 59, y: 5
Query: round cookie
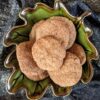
x: 70, y: 72
x: 56, y: 29
x: 68, y: 24
x: 32, y: 35
x: 26, y: 62
x: 79, y: 52
x: 48, y: 53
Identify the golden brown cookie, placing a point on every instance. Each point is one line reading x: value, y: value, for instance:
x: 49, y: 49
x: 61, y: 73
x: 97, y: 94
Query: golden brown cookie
x: 32, y: 35
x: 79, y: 52
x: 54, y: 28
x: 69, y: 25
x: 26, y: 62
x: 70, y: 72
x: 48, y: 53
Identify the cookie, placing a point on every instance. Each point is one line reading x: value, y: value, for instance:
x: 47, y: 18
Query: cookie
x: 48, y: 53
x: 79, y: 52
x: 32, y: 34
x: 69, y: 25
x: 70, y: 72
x: 53, y: 28
x: 27, y: 64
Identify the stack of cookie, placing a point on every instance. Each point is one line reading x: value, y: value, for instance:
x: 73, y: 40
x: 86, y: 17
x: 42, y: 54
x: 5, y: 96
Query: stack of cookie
x: 52, y: 51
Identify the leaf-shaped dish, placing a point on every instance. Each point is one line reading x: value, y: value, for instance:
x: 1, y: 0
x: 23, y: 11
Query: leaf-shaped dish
x: 18, y: 34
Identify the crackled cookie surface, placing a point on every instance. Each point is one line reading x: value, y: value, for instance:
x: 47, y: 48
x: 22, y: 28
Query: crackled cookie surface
x: 48, y: 53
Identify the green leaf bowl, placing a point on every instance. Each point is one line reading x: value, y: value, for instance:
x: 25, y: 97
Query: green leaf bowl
x: 20, y: 33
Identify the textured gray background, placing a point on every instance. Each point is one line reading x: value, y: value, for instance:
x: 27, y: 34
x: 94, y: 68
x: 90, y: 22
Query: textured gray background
x: 8, y: 15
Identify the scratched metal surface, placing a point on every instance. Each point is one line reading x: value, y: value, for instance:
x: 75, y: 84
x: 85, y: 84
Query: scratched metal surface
x: 8, y: 15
